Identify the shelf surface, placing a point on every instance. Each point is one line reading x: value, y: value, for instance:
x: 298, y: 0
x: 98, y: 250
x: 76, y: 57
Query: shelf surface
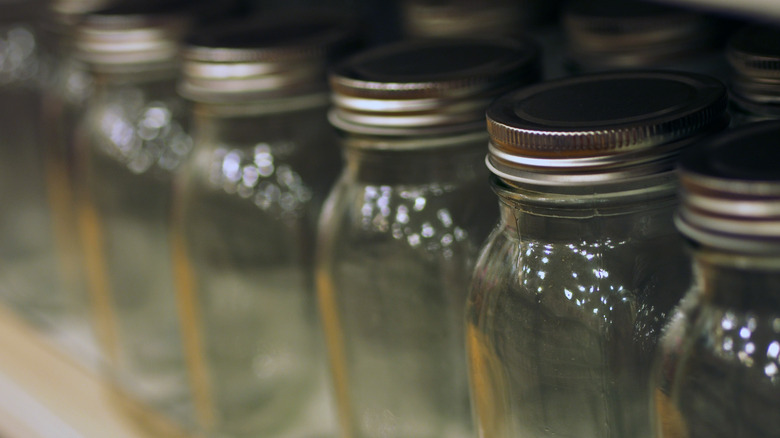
x: 46, y: 394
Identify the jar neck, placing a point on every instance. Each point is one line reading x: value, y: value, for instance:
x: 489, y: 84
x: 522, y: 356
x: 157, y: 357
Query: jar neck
x: 164, y: 75
x: 416, y: 160
x: 738, y: 281
x: 255, y: 124
x: 642, y: 208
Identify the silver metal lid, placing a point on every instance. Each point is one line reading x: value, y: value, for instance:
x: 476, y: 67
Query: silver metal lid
x: 131, y: 36
x: 269, y: 56
x: 754, y: 54
x: 730, y: 195
x: 629, y: 33
x: 463, y: 18
x: 428, y: 86
x: 72, y: 8
x: 601, y: 128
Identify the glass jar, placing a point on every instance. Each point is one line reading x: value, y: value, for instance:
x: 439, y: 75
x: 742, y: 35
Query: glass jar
x: 399, y: 232
x: 28, y: 269
x: 66, y: 86
x: 718, y: 362
x: 129, y: 143
x: 630, y: 34
x: 754, y: 56
x: 244, y: 222
x: 572, y: 287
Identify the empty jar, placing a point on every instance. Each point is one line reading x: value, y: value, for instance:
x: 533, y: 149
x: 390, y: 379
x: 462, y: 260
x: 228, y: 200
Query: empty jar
x: 66, y: 87
x: 29, y: 281
x: 718, y: 367
x: 244, y: 222
x: 399, y: 234
x: 573, y: 286
x: 754, y: 56
x: 129, y: 143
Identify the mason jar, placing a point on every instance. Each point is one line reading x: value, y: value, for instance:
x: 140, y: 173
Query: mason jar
x: 572, y: 288
x: 129, y: 143
x: 399, y: 232
x: 28, y: 269
x: 628, y: 34
x: 65, y: 86
x: 718, y: 361
x: 754, y: 56
x: 244, y: 222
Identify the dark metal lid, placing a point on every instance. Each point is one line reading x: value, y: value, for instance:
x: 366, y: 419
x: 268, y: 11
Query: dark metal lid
x: 272, y: 55
x: 755, y: 51
x: 731, y: 190
x: 602, y: 127
x: 625, y: 33
x: 428, y: 86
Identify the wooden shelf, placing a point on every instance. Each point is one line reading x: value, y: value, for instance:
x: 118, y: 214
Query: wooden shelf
x: 46, y: 394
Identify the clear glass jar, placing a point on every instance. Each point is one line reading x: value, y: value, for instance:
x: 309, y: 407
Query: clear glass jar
x: 754, y: 56
x: 571, y: 289
x: 629, y: 34
x: 244, y: 222
x: 718, y: 362
x: 399, y: 232
x: 66, y: 86
x: 130, y: 142
x: 28, y: 269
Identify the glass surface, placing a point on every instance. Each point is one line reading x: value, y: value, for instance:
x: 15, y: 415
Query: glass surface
x: 133, y: 141
x: 66, y: 86
x: 245, y: 217
x: 566, y: 305
x: 718, y: 363
x: 28, y: 271
x: 398, y: 239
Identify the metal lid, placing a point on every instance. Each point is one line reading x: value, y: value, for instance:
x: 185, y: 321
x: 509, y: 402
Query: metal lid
x: 755, y: 51
x: 625, y: 33
x: 754, y: 54
x: 462, y: 18
x: 428, y: 86
x: 279, y: 55
x: 731, y: 190
x: 601, y: 128
x: 70, y: 8
x: 131, y: 36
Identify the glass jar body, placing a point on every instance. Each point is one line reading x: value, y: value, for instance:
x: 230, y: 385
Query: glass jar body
x: 131, y: 141
x: 564, y: 312
x: 66, y: 86
x: 398, y: 239
x: 244, y: 221
x: 28, y: 270
x: 718, y: 361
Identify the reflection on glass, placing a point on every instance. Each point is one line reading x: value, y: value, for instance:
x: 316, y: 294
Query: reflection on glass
x: 564, y: 315
x: 718, y: 365
x: 134, y: 141
x: 398, y: 240
x: 245, y: 210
